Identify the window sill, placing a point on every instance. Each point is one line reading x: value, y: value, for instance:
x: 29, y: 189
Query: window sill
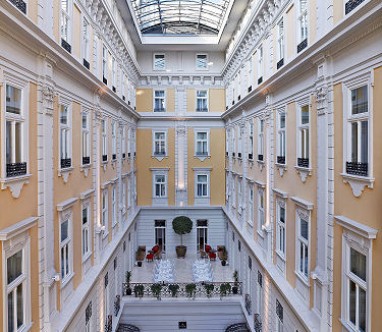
x: 303, y: 172
x: 304, y: 280
x: 67, y: 280
x: 281, y: 168
x: 358, y: 183
x: 347, y: 326
x: 85, y: 169
x: 202, y: 157
x: 65, y: 172
x: 281, y: 256
x: 86, y: 257
x: 261, y: 164
x: 261, y: 233
x: 26, y: 327
x: 15, y: 184
x: 159, y: 157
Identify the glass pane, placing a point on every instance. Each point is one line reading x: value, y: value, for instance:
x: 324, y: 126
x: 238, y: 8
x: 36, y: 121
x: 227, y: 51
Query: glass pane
x: 18, y: 142
x: 11, y: 318
x: 13, y: 100
x: 201, y: 136
x: 64, y: 115
x: 282, y: 214
x: 359, y: 100
x: 282, y: 120
x: 201, y: 93
x: 304, y: 229
x: 20, y: 305
x: 358, y: 264
x: 64, y: 230
x: 362, y: 310
x: 84, y: 121
x: 305, y: 114
x: 84, y: 216
x: 364, y: 142
x: 352, y: 301
x: 14, y: 266
x: 354, y: 142
x: 8, y: 139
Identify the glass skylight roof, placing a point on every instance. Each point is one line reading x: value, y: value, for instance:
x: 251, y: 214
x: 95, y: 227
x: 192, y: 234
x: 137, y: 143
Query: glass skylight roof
x: 185, y: 17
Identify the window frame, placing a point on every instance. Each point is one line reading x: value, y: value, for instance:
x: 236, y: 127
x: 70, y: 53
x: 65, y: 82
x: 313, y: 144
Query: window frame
x: 105, y: 62
x: 105, y: 211
x: 304, y: 153
x: 260, y: 63
x: 205, y: 62
x: 281, y: 138
x: 261, y: 140
x: 85, y: 39
x: 85, y: 139
x: 162, y: 185
x: 68, y: 16
x: 303, y: 215
x: 85, y: 229
x: 114, y: 205
x: 67, y: 216
x: 281, y: 228
x: 251, y: 139
x: 302, y: 15
x: 198, y: 153
x: 279, y: 316
x: 104, y: 139
x: 114, y: 134
x: 251, y: 201
x: 260, y: 210
x: 162, y: 100
x: 68, y: 138
x: 205, y: 100
x: 159, y: 141
x: 155, y: 64
x: 280, y: 39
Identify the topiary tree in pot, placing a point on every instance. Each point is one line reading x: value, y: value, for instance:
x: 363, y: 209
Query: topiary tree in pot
x: 181, y: 225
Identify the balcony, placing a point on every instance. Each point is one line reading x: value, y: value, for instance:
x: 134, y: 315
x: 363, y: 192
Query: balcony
x: 281, y: 160
x: 86, y: 63
x: 280, y: 63
x: 260, y: 80
x: 66, y: 45
x: 352, y: 4
x: 354, y: 168
x: 66, y: 162
x: 20, y: 5
x: 16, y: 169
x: 302, y: 45
x: 104, y: 157
x: 104, y: 80
x: 303, y: 162
x: 260, y: 157
x: 85, y: 160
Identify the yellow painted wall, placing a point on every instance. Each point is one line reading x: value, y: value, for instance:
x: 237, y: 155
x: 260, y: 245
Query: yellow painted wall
x: 216, y: 100
x: 191, y: 100
x: 216, y: 162
x: 312, y: 14
x: 32, y: 10
x: 76, y: 32
x: 338, y: 11
x: 56, y: 20
x: 34, y: 254
x: 291, y: 32
x: 170, y: 100
x: 144, y: 99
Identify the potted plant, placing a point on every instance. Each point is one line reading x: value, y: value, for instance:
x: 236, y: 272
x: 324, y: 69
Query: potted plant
x: 209, y: 289
x: 225, y: 288
x: 127, y: 282
x: 181, y: 225
x: 235, y: 287
x: 156, y: 289
x: 190, y: 290
x: 138, y: 290
x: 173, y: 289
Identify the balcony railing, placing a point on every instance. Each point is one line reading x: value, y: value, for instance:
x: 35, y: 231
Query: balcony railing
x: 357, y: 168
x: 250, y: 156
x: 159, y: 153
x: 85, y: 160
x: 66, y: 45
x: 281, y: 159
x: 303, y: 162
x: 350, y: 5
x: 201, y: 153
x: 114, y: 156
x: 233, y: 154
x: 202, y: 109
x: 249, y: 88
x: 239, y: 155
x: 16, y: 169
x: 104, y: 80
x: 104, y: 157
x: 190, y: 290
x: 238, y: 98
x: 260, y: 157
x: 109, y: 324
x: 20, y: 5
x: 114, y: 88
x: 66, y: 162
x: 123, y: 155
x: 260, y: 80
x: 86, y: 63
x: 302, y: 45
x: 159, y: 109
x: 280, y: 63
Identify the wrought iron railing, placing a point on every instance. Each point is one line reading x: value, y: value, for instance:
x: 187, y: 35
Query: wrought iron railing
x: 104, y: 157
x: 260, y: 157
x: 303, y: 162
x: 86, y: 63
x: 350, y: 5
x: 280, y: 63
x: 66, y: 162
x: 66, y: 45
x: 357, y: 168
x: 281, y: 159
x: 21, y: 5
x: 302, y: 45
x: 202, y: 109
x: 16, y: 169
x: 109, y: 324
x: 187, y: 290
x: 85, y: 160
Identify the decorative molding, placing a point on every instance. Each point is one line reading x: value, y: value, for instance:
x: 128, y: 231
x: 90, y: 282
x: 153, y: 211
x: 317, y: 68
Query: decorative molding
x: 356, y: 227
x: 306, y: 205
x: 66, y: 204
x: 280, y: 193
x: 357, y: 183
x: 64, y: 173
x: 16, y: 229
x: 48, y: 99
x: 321, y: 100
x: 86, y: 194
x: 281, y: 168
x: 303, y: 172
x: 15, y: 184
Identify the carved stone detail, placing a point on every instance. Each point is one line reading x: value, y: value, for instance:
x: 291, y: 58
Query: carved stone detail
x: 322, y: 100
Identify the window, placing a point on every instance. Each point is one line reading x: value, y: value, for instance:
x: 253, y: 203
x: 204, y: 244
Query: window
x: 114, y: 206
x: 260, y: 211
x: 85, y: 231
x: 259, y: 294
x: 280, y: 225
x: 239, y: 141
x: 250, y: 205
x: 85, y: 43
x: 280, y: 43
x: 303, y: 25
x: 159, y: 101
x: 105, y: 210
x: 123, y: 143
x: 358, y: 132
x: 65, y: 248
x: 160, y: 233
x: 303, y: 132
x: 65, y: 137
x: 88, y: 317
x: 159, y: 143
x: 279, y: 316
x: 85, y: 139
x: 114, y: 74
x: 302, y: 245
x: 104, y: 63
x: 281, y: 138
x: 159, y: 62
x: 104, y: 140
x: 16, y: 290
x: 260, y: 65
x: 160, y: 185
x: 201, y: 61
x: 202, y: 185
x: 201, y: 101
x: 250, y: 145
x: 114, y: 140
x: 260, y: 141
x: 14, y: 132
x: 201, y: 143
x: 65, y: 20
